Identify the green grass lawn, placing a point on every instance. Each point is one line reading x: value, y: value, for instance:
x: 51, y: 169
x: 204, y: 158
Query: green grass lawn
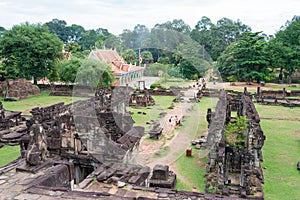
x: 177, y: 82
x: 9, y: 154
x: 40, y: 100
x: 193, y: 168
x: 152, y: 112
x: 281, y: 152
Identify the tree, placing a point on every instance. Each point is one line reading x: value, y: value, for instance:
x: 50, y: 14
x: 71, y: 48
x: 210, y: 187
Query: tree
x: 59, y: 28
x: 72, y: 47
x: 75, y: 33
x: 246, y: 59
x: 130, y: 56
x: 134, y: 39
x: 31, y: 50
x: 95, y: 74
x: 216, y: 37
x: 68, y: 70
x: 285, y: 48
x: 147, y: 57
x: 177, y: 25
x: 88, y: 40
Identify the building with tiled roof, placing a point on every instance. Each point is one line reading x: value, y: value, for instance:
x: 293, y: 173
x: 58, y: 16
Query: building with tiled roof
x: 123, y: 72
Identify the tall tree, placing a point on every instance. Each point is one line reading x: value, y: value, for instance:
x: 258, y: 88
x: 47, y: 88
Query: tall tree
x: 216, y: 37
x: 134, y: 39
x: 130, y: 56
x: 95, y: 73
x: 177, y: 25
x: 68, y: 70
x: 246, y: 59
x: 147, y: 57
x: 88, y: 40
x: 59, y: 28
x: 75, y: 33
x: 285, y: 48
x: 31, y: 50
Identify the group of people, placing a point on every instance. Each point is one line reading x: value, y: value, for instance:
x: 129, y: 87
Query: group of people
x: 175, y: 120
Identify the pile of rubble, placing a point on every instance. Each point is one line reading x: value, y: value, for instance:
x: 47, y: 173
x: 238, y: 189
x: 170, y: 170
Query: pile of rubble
x: 19, y: 88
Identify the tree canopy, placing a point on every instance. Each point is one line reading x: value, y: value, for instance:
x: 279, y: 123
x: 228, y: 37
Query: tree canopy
x: 245, y: 59
x: 94, y: 73
x: 284, y: 49
x: 68, y: 70
x: 30, y: 51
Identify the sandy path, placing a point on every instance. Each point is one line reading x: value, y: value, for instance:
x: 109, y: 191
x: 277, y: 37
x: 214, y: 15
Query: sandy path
x: 174, y: 139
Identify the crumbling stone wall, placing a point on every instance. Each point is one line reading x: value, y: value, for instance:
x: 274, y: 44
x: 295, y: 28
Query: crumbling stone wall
x: 235, y: 171
x: 278, y: 97
x: 99, y: 127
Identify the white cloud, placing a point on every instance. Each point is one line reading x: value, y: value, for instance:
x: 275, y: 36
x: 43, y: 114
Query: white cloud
x: 116, y: 15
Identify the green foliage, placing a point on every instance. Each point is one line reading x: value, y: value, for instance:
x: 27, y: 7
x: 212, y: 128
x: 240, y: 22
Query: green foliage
x: 177, y: 25
x: 95, y: 74
x: 174, y: 72
x: 134, y: 39
x: 72, y: 47
x: 30, y: 50
x: 68, y: 70
x: 155, y: 85
x: 217, y: 37
x: 130, y: 56
x: 245, y: 59
x: 196, y: 77
x: 163, y: 60
x: 156, y: 69
x: 235, y: 133
x: 284, y: 49
x: 147, y: 57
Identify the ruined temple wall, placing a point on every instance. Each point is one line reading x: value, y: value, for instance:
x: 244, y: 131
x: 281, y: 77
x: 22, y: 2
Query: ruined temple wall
x: 226, y: 162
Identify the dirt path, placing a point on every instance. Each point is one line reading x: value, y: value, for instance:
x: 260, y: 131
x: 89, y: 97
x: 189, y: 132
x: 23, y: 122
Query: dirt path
x: 174, y: 139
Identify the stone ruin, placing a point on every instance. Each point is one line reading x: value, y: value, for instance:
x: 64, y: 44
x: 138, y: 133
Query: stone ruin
x: 80, y: 150
x: 155, y: 130
x: 12, y: 126
x: 278, y: 97
x: 138, y: 100
x: 233, y: 171
x: 162, y: 177
x: 19, y: 89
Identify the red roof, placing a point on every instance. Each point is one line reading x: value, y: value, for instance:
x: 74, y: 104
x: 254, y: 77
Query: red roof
x: 111, y: 57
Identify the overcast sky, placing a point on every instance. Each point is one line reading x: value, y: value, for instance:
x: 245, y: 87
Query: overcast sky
x: 116, y: 15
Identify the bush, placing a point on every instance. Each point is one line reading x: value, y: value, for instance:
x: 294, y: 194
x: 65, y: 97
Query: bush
x: 235, y: 132
x: 155, y: 85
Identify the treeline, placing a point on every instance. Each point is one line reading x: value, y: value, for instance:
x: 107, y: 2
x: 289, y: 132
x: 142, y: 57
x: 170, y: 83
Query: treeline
x: 177, y: 48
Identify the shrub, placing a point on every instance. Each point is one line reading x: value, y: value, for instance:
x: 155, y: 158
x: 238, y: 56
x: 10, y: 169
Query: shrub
x: 235, y: 132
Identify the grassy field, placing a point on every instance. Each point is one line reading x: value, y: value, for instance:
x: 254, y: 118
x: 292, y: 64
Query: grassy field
x: 177, y: 82
x: 8, y: 154
x: 281, y: 152
x: 151, y: 112
x: 193, y: 168
x: 41, y: 100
